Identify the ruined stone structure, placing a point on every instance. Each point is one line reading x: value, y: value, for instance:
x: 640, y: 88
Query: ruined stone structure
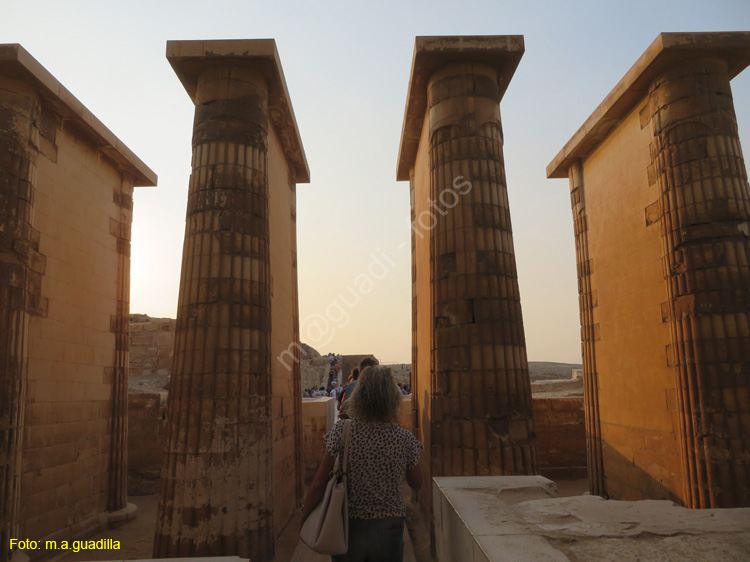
x: 66, y: 202
x: 560, y: 436
x: 151, y: 346
x: 471, y: 392
x: 147, y: 428
x: 661, y: 208
x: 233, y: 465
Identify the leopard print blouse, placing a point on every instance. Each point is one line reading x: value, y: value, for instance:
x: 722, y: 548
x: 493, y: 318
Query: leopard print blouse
x: 379, y: 456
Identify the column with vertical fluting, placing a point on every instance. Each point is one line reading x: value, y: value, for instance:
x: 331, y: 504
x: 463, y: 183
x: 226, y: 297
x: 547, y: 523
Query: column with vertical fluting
x: 19, y: 112
x: 705, y: 205
x: 119, y: 324
x: 414, y: 340
x: 587, y: 302
x: 216, y: 495
x: 296, y: 369
x: 481, y: 398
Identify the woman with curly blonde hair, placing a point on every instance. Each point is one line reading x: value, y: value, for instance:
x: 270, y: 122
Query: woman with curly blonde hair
x: 381, y: 456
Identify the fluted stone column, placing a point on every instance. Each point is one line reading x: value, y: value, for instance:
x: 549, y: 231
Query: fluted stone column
x: 216, y: 496
x: 20, y: 285
x: 481, y: 398
x: 119, y: 325
x: 705, y: 223
x: 586, y: 304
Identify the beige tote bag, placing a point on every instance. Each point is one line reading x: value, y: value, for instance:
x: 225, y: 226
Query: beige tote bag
x: 326, y: 529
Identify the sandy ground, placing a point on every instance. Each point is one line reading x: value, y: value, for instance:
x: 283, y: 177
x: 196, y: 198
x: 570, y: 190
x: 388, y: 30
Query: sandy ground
x: 136, y: 537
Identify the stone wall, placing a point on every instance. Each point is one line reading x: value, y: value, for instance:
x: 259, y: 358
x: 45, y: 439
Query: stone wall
x: 147, y: 425
x: 559, y: 421
x: 401, y: 372
x: 151, y: 346
x: 561, y: 436
x: 318, y: 415
x: 349, y: 362
x: 661, y: 203
x: 286, y: 391
x: 559, y: 428
x: 67, y: 186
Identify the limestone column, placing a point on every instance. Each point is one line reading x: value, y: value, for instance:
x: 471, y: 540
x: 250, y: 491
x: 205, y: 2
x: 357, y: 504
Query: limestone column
x: 120, y: 326
x: 481, y: 414
x: 587, y: 301
x: 296, y: 369
x: 216, y: 496
x: 705, y: 205
x: 20, y: 285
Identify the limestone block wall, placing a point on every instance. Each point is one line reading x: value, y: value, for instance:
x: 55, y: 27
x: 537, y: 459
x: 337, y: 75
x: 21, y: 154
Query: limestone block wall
x: 318, y: 417
x: 638, y: 412
x: 151, y: 345
x: 69, y: 266
x: 285, y: 382
x: 401, y: 372
x: 560, y: 436
x: 314, y: 370
x: 661, y: 208
x: 147, y: 426
x: 71, y: 350
x: 348, y: 362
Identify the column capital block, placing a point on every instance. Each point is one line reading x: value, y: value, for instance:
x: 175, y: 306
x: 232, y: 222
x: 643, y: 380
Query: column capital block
x: 667, y: 50
x: 501, y: 52
x: 190, y: 58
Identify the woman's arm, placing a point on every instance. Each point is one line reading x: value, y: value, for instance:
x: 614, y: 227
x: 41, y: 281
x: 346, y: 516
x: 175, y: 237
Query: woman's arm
x: 414, y: 477
x: 318, y: 486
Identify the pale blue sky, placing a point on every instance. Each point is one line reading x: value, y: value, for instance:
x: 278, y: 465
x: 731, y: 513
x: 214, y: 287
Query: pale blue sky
x: 347, y: 67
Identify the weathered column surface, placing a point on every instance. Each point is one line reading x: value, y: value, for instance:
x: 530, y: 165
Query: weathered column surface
x: 586, y: 305
x: 20, y: 285
x: 216, y: 496
x: 471, y: 381
x: 119, y: 324
x: 481, y: 398
x: 705, y: 223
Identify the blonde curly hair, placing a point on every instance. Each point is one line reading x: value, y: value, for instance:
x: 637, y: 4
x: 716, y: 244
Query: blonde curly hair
x: 376, y: 396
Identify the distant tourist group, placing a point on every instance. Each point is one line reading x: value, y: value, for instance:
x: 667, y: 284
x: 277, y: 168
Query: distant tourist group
x: 344, y: 390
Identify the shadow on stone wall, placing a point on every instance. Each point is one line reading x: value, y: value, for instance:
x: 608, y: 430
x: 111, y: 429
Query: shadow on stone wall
x: 624, y: 480
x: 560, y: 437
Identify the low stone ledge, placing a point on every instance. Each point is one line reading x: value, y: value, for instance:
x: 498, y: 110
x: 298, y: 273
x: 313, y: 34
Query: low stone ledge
x: 518, y: 519
x: 318, y: 417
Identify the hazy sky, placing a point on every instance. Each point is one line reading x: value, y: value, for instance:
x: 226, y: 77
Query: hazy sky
x: 347, y: 68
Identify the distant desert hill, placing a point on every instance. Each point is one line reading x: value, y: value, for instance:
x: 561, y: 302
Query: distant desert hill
x: 547, y: 370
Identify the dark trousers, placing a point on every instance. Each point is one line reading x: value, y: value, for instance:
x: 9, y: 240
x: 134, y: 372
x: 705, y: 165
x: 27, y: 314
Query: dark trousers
x: 374, y: 540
